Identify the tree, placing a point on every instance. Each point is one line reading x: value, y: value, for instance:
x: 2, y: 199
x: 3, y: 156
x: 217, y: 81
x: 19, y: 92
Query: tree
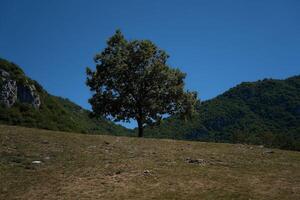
x: 133, y: 81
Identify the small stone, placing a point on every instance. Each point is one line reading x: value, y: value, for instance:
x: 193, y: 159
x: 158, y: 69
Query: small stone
x: 146, y: 172
x: 195, y: 161
x: 118, y: 172
x: 269, y: 151
x: 29, y: 167
x: 36, y: 162
x: 45, y: 142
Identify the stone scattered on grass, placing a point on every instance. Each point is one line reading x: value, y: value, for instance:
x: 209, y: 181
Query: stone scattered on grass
x: 269, y: 151
x: 196, y: 161
x: 36, y: 162
x: 29, y: 167
x: 147, y: 172
x: 45, y: 142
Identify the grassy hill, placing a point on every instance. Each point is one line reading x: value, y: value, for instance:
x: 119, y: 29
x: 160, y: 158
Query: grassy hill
x: 77, y: 166
x: 264, y: 112
x: 55, y: 113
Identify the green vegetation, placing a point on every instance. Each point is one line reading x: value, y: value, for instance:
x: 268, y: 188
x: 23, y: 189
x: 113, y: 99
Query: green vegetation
x: 264, y: 112
x: 55, y: 113
x: 77, y: 166
x: 15, y: 71
x: 133, y: 81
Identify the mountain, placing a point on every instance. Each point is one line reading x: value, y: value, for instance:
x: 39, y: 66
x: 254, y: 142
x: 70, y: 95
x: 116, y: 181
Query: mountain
x: 24, y: 102
x: 265, y: 112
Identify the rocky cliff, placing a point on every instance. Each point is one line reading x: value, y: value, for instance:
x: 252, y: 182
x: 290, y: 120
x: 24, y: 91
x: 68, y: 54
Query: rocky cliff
x: 12, y: 90
x: 24, y: 102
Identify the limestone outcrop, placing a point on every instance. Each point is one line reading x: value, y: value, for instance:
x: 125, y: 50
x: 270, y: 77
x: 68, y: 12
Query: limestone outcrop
x: 11, y: 91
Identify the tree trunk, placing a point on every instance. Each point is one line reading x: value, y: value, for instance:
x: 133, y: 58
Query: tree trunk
x: 141, y: 128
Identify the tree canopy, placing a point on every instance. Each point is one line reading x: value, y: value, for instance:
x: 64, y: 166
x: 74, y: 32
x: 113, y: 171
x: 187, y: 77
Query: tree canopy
x: 132, y: 80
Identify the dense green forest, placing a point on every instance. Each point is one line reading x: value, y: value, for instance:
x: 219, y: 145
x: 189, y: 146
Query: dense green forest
x: 264, y: 112
x: 55, y: 113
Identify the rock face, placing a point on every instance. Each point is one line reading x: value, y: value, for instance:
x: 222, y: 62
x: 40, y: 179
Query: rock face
x: 8, y: 92
x: 11, y: 91
x: 28, y: 94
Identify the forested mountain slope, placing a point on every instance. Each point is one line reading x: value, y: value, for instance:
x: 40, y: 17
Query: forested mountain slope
x: 263, y: 112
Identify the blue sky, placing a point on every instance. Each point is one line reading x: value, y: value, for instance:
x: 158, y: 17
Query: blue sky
x: 217, y: 43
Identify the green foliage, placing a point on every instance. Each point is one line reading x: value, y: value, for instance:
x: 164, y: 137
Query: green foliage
x: 55, y: 113
x: 264, y: 112
x: 133, y: 81
x: 15, y: 72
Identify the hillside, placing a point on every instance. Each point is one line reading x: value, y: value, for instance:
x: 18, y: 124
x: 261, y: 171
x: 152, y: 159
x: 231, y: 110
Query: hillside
x: 264, y: 112
x: 26, y: 103
x: 41, y: 164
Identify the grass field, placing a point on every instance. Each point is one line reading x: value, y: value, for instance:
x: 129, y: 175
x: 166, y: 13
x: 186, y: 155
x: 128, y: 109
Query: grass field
x: 77, y: 166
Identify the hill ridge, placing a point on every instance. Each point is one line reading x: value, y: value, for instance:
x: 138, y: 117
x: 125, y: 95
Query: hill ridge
x: 51, y: 112
x: 262, y: 112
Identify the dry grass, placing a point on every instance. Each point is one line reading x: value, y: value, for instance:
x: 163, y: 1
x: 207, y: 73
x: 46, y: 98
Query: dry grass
x: 76, y: 166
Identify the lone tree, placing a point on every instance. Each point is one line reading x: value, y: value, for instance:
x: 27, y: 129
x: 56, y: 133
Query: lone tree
x: 133, y: 81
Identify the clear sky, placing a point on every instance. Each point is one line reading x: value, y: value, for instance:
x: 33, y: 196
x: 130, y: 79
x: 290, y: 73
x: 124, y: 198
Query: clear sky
x: 217, y: 43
